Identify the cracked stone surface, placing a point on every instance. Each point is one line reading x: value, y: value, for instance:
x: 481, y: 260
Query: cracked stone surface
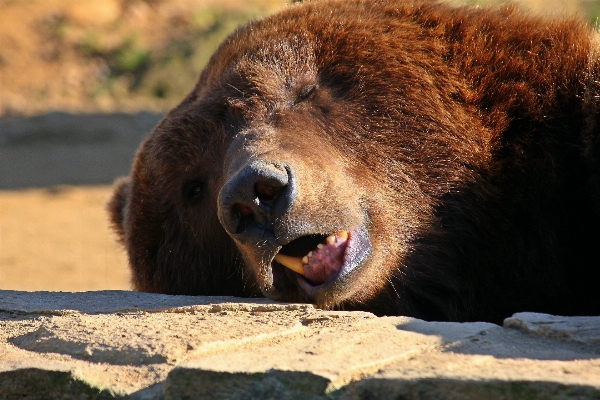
x: 119, y: 344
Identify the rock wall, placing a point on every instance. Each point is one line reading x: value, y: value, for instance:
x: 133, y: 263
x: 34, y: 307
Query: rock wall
x: 120, y: 344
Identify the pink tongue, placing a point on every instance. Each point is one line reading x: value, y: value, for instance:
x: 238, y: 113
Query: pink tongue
x: 326, y: 262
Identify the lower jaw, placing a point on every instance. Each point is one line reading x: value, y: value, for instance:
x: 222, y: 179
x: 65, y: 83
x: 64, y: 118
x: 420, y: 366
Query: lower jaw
x: 313, y: 290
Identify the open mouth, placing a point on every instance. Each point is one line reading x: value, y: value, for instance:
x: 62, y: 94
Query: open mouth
x: 319, y: 260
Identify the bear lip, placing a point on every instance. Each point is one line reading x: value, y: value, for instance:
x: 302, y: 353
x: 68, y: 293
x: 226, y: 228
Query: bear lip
x: 318, y: 265
x: 330, y: 262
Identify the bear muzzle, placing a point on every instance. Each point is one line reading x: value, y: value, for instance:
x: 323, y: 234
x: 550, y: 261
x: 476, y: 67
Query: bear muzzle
x: 311, y: 266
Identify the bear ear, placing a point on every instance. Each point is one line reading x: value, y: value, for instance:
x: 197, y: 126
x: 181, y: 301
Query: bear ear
x: 116, y: 205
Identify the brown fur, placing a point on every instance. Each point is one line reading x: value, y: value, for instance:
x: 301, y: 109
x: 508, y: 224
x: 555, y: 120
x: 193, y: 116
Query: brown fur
x: 464, y: 140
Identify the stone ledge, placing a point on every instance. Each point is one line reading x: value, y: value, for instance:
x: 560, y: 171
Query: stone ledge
x: 118, y: 344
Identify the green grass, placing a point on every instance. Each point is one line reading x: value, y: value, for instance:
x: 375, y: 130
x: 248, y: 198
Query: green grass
x: 129, y: 58
x: 594, y: 13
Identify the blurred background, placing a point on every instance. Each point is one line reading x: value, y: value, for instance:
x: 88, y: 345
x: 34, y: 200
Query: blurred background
x: 81, y: 83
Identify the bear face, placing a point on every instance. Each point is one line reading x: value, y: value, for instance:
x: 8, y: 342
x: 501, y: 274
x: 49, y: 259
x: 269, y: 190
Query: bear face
x: 375, y: 156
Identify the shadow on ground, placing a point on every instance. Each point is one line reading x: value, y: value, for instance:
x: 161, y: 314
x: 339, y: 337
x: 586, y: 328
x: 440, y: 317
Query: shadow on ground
x: 70, y: 149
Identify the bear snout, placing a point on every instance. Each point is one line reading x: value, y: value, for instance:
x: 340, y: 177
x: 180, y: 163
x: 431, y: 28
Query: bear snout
x: 254, y: 198
x: 292, y: 260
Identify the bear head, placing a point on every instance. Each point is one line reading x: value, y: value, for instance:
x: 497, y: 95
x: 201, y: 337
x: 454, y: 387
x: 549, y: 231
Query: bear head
x: 318, y: 157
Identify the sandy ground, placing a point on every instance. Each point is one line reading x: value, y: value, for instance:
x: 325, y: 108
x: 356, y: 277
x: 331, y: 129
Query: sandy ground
x: 59, y: 240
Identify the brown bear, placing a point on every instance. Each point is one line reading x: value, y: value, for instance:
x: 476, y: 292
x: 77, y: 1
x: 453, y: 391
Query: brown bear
x: 403, y: 157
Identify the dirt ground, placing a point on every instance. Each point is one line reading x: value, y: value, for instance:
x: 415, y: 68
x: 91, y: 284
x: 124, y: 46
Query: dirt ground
x: 59, y: 240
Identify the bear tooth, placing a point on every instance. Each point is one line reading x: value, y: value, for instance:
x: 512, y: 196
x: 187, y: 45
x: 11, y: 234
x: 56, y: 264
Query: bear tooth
x: 319, y: 246
x: 305, y: 260
x: 342, y: 234
x: 330, y: 239
x: 293, y: 263
x: 309, y: 254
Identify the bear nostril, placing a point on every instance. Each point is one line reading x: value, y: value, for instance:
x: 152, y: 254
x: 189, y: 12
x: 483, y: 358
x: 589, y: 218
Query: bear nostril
x: 243, y: 209
x: 265, y: 192
x: 254, y: 198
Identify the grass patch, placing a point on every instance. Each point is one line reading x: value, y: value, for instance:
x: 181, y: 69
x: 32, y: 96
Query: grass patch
x: 129, y: 58
x: 594, y: 13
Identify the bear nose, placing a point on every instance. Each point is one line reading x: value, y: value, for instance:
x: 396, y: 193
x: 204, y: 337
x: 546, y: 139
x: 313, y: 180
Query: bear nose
x: 251, y: 201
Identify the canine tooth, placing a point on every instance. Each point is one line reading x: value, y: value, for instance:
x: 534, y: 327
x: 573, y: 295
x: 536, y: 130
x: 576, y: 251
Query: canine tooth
x: 330, y: 239
x: 319, y: 246
x: 293, y: 263
x: 305, y: 260
x: 342, y: 234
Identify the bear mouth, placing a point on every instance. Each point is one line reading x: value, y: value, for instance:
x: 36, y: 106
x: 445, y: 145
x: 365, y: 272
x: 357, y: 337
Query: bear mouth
x: 317, y: 262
